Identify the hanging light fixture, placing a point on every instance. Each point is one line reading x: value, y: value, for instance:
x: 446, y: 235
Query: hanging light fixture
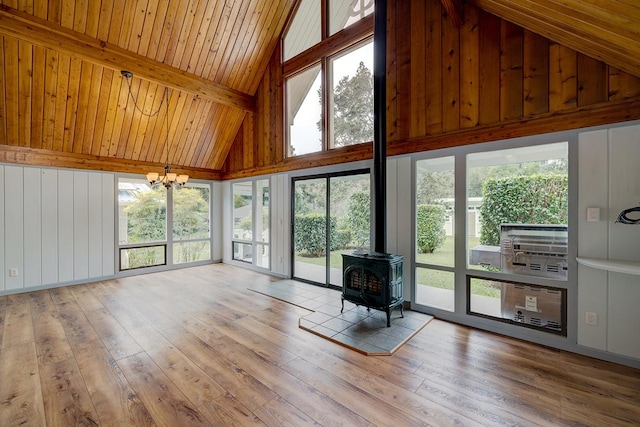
x: 169, y: 179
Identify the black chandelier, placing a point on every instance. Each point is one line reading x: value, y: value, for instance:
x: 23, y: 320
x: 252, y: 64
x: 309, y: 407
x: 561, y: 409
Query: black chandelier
x: 169, y: 179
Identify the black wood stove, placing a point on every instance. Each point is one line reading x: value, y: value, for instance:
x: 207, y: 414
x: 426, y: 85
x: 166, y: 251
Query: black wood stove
x: 373, y: 280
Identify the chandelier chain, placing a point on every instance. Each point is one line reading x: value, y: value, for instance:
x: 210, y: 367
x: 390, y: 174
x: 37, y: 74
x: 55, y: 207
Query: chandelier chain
x: 166, y: 97
x: 135, y: 102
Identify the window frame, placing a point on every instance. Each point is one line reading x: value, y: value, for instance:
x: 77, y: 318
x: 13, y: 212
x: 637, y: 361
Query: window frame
x: 441, y: 269
x: 461, y: 269
x: 327, y: 177
x: 255, y: 242
x: 169, y: 241
x: 321, y: 54
x: 176, y: 241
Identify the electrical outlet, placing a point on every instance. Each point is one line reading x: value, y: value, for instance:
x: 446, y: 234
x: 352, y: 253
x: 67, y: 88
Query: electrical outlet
x: 13, y: 272
x: 591, y: 318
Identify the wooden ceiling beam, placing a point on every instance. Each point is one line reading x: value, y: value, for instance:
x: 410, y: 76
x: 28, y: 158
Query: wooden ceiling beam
x: 605, y: 30
x: 46, y: 34
x: 50, y: 158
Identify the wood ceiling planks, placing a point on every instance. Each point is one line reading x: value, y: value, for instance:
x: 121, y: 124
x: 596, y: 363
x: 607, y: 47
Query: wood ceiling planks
x: 607, y: 30
x: 62, y: 90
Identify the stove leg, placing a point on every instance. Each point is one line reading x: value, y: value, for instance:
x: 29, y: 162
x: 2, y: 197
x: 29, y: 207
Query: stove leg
x: 342, y: 309
x: 388, y: 317
x: 402, y: 310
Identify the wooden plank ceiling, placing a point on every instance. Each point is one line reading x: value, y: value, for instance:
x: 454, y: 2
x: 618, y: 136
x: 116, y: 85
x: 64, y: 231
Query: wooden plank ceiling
x: 607, y: 30
x: 63, y: 101
x: 62, y: 93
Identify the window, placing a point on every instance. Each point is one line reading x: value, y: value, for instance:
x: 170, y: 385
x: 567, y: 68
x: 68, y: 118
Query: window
x: 435, y: 232
x: 251, y: 222
x: 523, y: 186
x: 344, y: 13
x: 511, y: 219
x: 518, y: 228
x: 142, y: 216
x: 305, y: 30
x: 191, y: 231
x: 351, y: 99
x: 304, y: 111
x: 151, y: 235
x: 329, y: 92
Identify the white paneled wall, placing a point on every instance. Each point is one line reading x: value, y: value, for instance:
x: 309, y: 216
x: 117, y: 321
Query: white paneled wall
x: 13, y: 227
x: 49, y: 221
x: 65, y: 226
x: 609, y: 180
x: 57, y: 227
x: 400, y: 214
x: 32, y: 227
x: 280, y: 225
x: 593, y: 172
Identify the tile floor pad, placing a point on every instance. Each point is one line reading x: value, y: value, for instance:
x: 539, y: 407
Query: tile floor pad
x: 356, y: 327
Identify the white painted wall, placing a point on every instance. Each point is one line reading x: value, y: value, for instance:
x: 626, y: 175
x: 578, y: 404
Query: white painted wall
x: 56, y: 227
x: 609, y: 171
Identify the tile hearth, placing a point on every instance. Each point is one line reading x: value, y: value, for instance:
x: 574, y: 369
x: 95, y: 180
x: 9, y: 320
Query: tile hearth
x: 362, y: 330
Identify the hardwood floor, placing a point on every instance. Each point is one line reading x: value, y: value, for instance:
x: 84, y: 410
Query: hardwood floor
x: 194, y: 347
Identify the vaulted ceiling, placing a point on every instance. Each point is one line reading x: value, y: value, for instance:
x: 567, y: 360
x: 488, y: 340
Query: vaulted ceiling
x: 64, y: 102
x: 63, y: 91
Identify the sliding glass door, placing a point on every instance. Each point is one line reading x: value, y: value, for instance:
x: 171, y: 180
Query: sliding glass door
x: 331, y: 216
x: 310, y: 229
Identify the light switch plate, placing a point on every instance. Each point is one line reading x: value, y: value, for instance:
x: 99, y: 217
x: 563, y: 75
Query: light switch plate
x: 593, y: 214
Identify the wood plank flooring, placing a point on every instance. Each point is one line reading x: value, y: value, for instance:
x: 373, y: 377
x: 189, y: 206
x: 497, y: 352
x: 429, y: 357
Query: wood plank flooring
x: 195, y: 347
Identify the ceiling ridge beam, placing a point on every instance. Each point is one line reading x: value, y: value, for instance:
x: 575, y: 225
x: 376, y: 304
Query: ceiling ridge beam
x: 43, y: 33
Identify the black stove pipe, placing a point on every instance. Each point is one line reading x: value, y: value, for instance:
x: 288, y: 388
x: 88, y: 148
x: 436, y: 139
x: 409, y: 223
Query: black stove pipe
x: 380, y: 127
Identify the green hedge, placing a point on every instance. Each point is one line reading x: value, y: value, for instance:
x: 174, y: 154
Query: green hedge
x: 310, y: 235
x: 430, y: 221
x: 538, y: 199
x: 358, y: 219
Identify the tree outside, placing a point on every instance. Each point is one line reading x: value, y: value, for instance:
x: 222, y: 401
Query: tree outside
x: 358, y: 220
x: 352, y: 108
x: 190, y: 222
x: 146, y: 222
x: 147, y: 217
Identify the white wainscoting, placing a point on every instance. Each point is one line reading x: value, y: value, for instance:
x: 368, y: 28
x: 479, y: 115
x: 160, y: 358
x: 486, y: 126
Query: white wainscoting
x: 58, y: 227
